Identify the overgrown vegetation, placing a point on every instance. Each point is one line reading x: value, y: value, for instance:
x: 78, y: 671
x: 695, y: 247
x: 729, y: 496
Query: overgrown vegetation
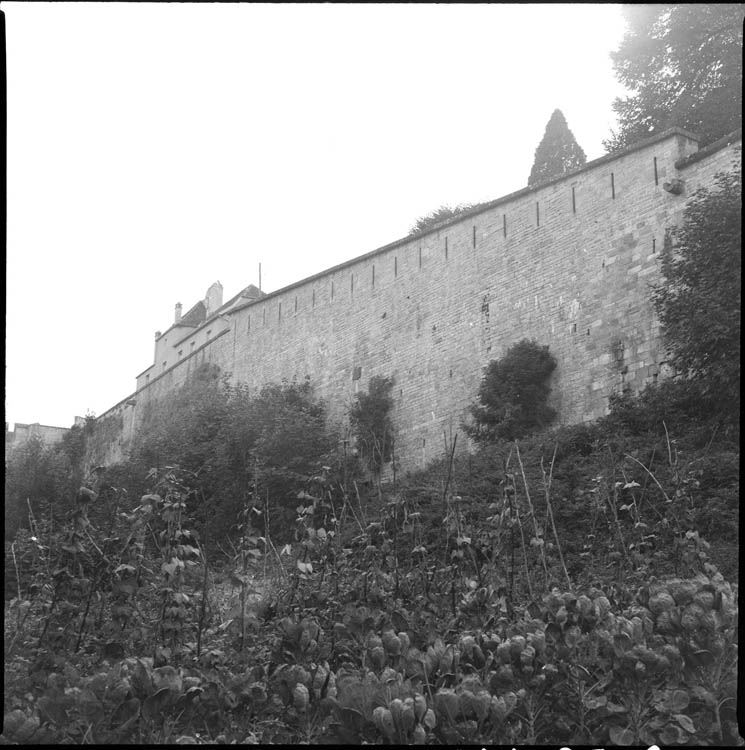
x: 513, y: 395
x: 36, y: 475
x: 240, y: 444
x: 699, y: 300
x: 440, y: 216
x: 370, y: 421
x: 683, y: 65
x: 560, y: 589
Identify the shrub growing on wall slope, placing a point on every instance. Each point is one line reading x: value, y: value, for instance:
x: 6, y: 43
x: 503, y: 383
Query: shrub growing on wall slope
x: 513, y: 394
x: 239, y: 443
x: 371, y: 422
x: 700, y: 299
x: 440, y: 216
x: 39, y: 479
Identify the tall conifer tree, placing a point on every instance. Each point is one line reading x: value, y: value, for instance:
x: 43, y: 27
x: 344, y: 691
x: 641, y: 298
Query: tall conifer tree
x: 557, y: 153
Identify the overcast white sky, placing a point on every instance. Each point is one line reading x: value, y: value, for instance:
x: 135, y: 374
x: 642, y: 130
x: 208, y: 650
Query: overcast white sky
x: 156, y: 148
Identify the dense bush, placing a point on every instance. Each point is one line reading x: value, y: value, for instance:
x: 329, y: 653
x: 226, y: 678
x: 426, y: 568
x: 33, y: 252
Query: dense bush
x: 440, y: 216
x: 39, y: 479
x: 699, y: 300
x: 559, y: 589
x: 243, y: 447
x: 353, y: 645
x: 512, y: 397
x: 370, y: 420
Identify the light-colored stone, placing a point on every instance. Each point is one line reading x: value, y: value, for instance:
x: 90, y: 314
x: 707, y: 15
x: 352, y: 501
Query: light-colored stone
x: 433, y: 318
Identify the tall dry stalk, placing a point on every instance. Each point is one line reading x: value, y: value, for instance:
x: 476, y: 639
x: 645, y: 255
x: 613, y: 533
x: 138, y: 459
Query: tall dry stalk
x: 547, y: 488
x: 532, y: 512
x: 510, y: 494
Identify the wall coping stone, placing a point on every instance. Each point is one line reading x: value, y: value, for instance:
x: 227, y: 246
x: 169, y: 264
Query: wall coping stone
x: 718, y: 145
x: 482, y: 207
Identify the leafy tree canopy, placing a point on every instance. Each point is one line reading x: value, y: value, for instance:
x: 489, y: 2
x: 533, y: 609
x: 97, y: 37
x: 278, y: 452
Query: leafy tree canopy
x: 513, y: 394
x: 40, y: 479
x: 683, y: 65
x: 699, y: 300
x: 557, y: 153
x: 239, y: 443
x: 440, y: 216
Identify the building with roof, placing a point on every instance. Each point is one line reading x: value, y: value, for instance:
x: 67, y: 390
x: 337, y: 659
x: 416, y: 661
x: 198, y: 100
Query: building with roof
x: 206, y: 319
x: 48, y: 434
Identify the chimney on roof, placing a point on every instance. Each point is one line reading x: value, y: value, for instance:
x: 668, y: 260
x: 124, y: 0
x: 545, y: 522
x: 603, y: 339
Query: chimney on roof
x: 178, y: 312
x: 157, y: 335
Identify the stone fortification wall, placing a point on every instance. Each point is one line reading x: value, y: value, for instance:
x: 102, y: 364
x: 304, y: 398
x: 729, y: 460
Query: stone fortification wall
x: 22, y: 433
x: 569, y: 263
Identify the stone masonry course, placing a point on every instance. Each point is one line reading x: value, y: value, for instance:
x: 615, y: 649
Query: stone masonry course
x: 569, y: 263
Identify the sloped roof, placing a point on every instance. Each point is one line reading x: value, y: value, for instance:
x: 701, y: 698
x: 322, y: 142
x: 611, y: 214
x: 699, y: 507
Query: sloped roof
x: 250, y: 293
x: 195, y: 317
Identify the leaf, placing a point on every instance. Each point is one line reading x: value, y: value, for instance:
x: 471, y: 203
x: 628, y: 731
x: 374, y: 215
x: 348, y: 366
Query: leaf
x: 352, y: 718
x: 17, y: 727
x: 51, y: 710
x: 167, y: 677
x: 153, y: 706
x: 399, y: 620
x: 673, y: 735
x: 701, y: 658
x: 142, y: 684
x: 621, y: 736
x: 169, y: 568
x: 90, y: 707
x: 679, y: 700
x: 595, y: 702
x: 685, y: 722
